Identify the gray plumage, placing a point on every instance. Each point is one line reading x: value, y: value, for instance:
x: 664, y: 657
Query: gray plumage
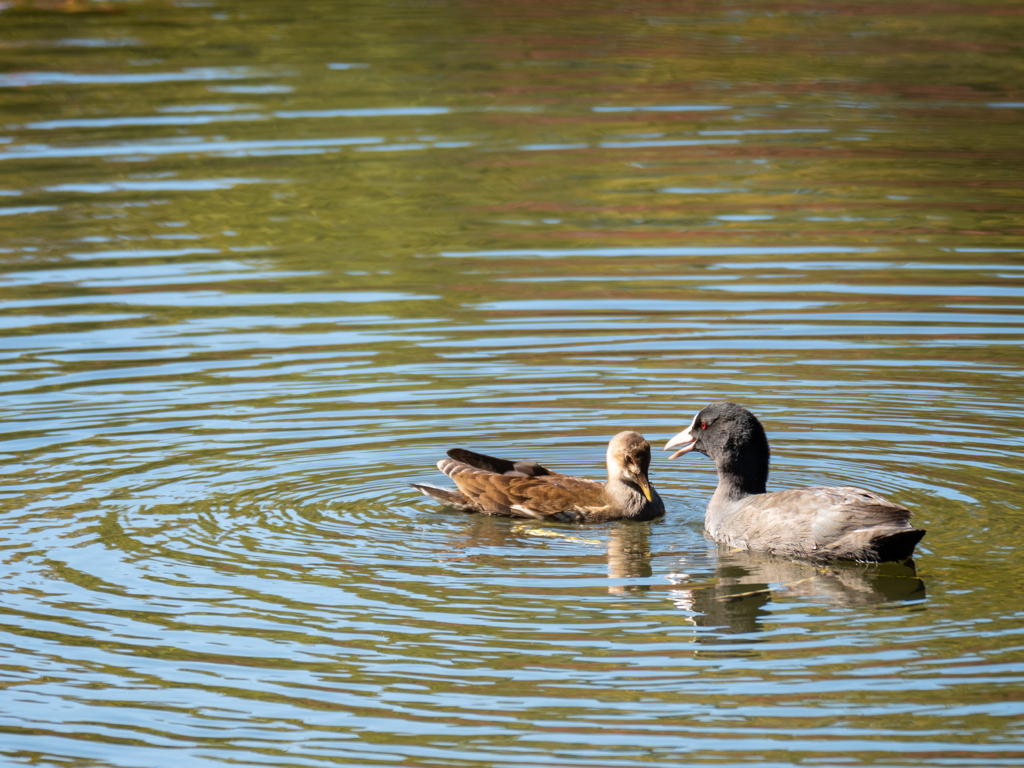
x: 504, y: 488
x: 823, y: 523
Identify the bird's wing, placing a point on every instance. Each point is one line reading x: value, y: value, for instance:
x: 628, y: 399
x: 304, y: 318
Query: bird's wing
x: 555, y: 497
x: 522, y: 468
x: 807, y: 519
x: 842, y: 511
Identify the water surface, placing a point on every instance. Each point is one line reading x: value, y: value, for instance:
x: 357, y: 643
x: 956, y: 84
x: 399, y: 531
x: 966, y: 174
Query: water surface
x: 264, y: 262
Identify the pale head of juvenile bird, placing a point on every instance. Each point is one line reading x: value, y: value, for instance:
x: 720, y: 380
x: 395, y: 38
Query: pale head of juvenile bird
x: 629, y: 457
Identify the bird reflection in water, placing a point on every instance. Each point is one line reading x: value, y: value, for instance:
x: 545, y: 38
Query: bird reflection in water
x: 629, y: 556
x: 743, y: 582
x: 721, y: 589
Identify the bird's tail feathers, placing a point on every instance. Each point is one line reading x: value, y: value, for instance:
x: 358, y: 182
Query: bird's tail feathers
x: 447, y: 496
x: 898, y: 545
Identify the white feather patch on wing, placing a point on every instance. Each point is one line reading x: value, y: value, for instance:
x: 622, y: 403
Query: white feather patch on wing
x: 422, y: 486
x: 527, y: 511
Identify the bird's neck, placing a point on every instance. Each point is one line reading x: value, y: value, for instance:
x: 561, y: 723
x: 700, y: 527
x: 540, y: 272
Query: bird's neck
x: 739, y: 477
x: 626, y: 495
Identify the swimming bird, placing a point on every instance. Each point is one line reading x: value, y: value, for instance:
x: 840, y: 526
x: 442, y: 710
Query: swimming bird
x: 823, y: 523
x: 526, y: 489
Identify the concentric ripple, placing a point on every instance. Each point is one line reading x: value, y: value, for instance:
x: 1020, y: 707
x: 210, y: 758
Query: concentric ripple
x: 263, y: 265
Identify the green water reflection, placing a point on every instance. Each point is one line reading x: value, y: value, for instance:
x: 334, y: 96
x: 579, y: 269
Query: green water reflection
x: 263, y: 263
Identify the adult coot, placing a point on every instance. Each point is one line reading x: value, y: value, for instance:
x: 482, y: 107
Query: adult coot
x: 822, y: 523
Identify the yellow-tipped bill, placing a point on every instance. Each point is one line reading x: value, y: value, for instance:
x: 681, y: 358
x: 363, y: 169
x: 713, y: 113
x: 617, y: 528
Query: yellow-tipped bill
x: 645, y: 486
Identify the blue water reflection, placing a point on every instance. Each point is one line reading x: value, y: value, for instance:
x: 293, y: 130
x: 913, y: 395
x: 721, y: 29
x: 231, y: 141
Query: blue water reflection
x: 263, y: 264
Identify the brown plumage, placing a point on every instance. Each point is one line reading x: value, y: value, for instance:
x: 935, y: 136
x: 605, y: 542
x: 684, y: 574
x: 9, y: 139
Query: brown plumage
x: 506, y: 488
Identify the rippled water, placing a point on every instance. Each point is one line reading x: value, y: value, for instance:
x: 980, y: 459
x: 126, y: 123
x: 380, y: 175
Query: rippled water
x: 264, y: 262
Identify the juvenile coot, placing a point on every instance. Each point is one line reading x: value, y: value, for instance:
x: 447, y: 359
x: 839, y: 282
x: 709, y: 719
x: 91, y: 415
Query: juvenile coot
x: 526, y: 489
x: 822, y: 523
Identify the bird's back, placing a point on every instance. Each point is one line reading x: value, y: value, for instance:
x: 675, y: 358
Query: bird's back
x: 515, y: 492
x: 830, y: 523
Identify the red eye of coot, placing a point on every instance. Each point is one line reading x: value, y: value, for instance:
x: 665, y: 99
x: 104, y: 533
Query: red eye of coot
x: 703, y: 425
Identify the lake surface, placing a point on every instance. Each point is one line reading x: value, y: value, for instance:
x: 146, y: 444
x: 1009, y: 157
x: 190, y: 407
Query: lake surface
x: 264, y: 262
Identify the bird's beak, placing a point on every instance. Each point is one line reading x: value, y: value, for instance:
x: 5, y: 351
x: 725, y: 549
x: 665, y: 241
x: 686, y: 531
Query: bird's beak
x: 645, y: 485
x: 685, y: 439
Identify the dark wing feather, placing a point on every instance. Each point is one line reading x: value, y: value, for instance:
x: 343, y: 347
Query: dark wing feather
x: 524, y: 468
